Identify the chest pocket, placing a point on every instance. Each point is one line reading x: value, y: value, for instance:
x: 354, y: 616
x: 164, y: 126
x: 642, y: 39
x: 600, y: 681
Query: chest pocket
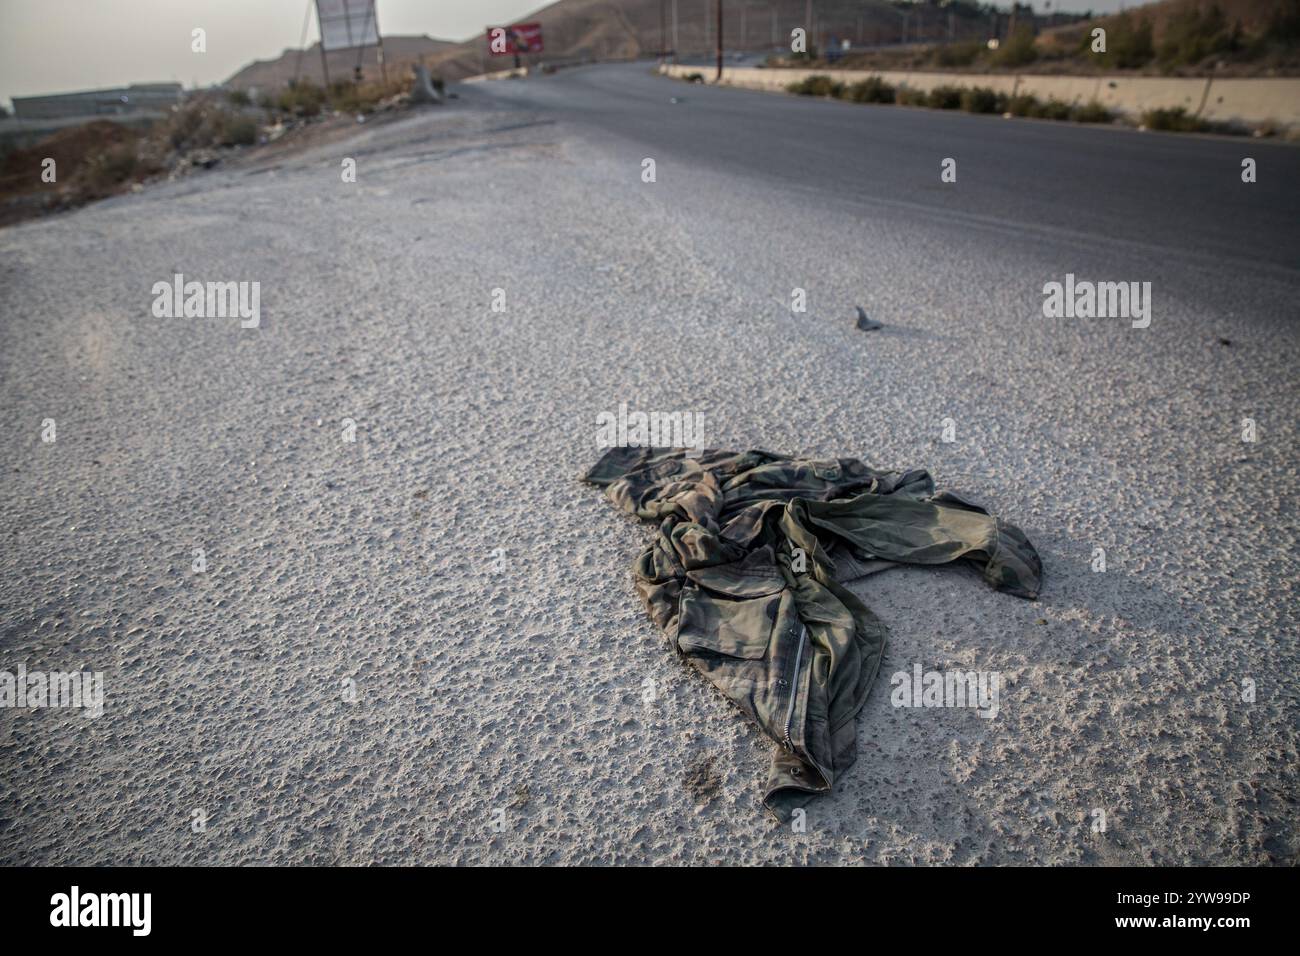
x: 730, y: 611
x: 828, y: 470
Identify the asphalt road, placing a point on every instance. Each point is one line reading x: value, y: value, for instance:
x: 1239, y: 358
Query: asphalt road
x: 1157, y: 194
x: 414, y: 637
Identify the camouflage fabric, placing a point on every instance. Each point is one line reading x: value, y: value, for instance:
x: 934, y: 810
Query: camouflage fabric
x: 746, y: 577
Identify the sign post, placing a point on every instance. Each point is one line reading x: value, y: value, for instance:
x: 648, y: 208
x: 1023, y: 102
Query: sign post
x: 515, y: 40
x: 345, y: 24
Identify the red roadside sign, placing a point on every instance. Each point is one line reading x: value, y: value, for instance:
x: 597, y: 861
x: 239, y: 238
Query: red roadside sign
x: 519, y: 38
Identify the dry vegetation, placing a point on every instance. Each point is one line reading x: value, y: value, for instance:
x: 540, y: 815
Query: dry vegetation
x: 984, y: 100
x: 101, y: 158
x: 971, y: 100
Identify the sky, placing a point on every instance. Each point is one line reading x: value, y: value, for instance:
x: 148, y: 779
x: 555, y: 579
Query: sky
x: 52, y: 46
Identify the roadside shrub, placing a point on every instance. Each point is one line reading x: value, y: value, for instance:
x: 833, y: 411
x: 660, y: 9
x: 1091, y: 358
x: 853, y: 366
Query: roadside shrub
x: 184, y: 125
x: 107, y: 171
x: 978, y: 99
x: 871, y: 90
x: 817, y: 85
x: 345, y: 96
x: 114, y: 165
x: 1269, y: 128
x: 694, y: 77
x: 982, y: 100
x: 1053, y: 109
x: 1176, y: 120
x: 958, y: 54
x: 1091, y: 112
x: 202, y: 123
x: 301, y: 99
x: 239, y: 98
x: 1022, y: 105
x: 233, y: 130
x: 944, y: 98
x: 349, y: 97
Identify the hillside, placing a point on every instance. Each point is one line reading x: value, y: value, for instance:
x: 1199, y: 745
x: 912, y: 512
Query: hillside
x: 1254, y: 16
x: 623, y: 29
x: 1192, y: 36
x: 1171, y: 37
x: 399, y: 52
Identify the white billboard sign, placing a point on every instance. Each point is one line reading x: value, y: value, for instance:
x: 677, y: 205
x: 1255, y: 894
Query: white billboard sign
x: 347, y: 23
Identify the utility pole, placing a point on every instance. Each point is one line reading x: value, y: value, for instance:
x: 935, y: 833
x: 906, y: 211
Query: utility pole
x: 775, y: 39
x: 675, y: 47
x: 719, y: 9
x: 324, y: 67
x: 663, y: 30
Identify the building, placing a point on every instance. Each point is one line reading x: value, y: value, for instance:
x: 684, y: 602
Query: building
x: 136, y: 98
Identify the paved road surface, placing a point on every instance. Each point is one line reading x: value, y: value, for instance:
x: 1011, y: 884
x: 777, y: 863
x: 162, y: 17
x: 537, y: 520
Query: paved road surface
x: 402, y: 640
x: 1169, y: 195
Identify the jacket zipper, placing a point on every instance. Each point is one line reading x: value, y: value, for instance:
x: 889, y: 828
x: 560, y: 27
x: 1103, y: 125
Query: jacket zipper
x: 794, y: 686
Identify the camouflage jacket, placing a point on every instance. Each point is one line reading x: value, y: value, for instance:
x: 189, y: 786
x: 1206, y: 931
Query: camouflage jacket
x: 746, y: 580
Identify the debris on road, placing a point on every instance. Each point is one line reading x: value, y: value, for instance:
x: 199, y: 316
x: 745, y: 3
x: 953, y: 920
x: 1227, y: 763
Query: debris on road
x: 866, y: 323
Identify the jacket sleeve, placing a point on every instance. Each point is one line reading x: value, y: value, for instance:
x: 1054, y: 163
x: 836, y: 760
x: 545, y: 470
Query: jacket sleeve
x: 934, y: 530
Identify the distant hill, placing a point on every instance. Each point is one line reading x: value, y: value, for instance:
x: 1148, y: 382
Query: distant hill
x: 625, y: 29
x: 399, y: 53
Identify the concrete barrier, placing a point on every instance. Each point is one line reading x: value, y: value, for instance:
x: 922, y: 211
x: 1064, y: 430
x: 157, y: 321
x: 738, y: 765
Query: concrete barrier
x: 1248, y: 101
x: 422, y: 90
x: 1262, y: 100
x: 1136, y: 95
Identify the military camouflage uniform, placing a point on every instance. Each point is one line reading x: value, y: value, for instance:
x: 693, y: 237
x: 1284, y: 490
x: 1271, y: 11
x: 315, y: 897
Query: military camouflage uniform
x: 745, y: 578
